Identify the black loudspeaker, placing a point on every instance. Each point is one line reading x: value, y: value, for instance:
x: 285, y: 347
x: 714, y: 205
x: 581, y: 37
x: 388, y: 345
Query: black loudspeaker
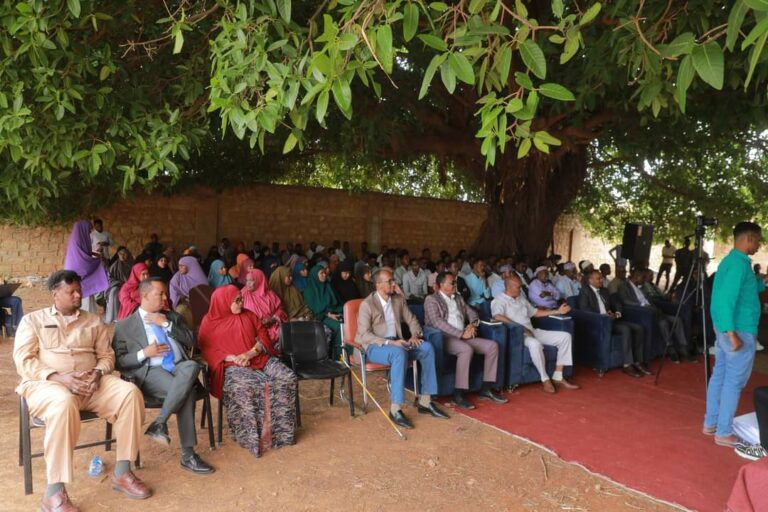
x: 636, y: 244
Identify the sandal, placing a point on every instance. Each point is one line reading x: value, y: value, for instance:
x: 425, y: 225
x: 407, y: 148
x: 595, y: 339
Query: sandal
x: 709, y: 431
x: 725, y: 441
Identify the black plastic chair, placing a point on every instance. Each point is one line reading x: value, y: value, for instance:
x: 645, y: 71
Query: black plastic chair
x: 26, y: 424
x: 305, y: 348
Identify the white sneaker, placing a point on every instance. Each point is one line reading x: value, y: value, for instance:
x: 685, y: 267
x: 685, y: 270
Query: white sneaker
x: 759, y: 346
x: 711, y: 350
x: 750, y: 451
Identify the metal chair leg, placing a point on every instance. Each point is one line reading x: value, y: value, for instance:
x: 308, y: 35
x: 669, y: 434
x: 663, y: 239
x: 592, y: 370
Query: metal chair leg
x: 333, y: 385
x: 351, y: 398
x: 108, y: 445
x: 26, y: 446
x: 208, y: 414
x: 298, y: 406
x: 203, y: 413
x: 220, y: 426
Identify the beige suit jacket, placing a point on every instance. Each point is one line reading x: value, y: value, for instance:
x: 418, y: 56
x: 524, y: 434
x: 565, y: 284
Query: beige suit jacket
x: 372, y: 325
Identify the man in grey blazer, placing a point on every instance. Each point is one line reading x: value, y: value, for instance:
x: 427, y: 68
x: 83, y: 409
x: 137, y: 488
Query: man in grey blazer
x: 150, y: 350
x: 446, y: 311
x: 380, y: 334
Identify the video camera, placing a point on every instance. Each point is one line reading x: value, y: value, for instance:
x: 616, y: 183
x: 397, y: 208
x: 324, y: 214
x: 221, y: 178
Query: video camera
x: 702, y: 221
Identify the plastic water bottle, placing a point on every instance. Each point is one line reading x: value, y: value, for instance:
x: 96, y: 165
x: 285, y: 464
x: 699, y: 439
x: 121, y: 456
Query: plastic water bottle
x: 95, y: 467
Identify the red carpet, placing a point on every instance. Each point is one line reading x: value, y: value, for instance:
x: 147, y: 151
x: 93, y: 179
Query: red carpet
x: 643, y: 436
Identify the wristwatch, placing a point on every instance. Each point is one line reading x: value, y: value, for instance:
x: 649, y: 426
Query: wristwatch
x: 166, y: 324
x: 101, y: 372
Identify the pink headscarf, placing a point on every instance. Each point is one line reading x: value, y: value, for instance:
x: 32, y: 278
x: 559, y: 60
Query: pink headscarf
x: 264, y: 302
x: 243, y: 264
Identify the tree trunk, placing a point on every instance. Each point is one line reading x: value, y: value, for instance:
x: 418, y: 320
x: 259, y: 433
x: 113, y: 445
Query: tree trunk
x: 525, y: 198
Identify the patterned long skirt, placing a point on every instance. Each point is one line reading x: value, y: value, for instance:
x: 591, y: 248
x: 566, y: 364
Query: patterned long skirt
x: 261, y: 406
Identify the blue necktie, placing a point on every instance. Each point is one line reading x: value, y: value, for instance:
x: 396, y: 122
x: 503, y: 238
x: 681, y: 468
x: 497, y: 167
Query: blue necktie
x: 167, y: 364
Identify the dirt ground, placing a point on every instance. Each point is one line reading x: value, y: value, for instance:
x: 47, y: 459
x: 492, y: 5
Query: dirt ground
x: 338, y: 462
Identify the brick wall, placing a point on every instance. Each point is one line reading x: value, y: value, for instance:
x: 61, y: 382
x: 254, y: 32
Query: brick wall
x: 272, y: 213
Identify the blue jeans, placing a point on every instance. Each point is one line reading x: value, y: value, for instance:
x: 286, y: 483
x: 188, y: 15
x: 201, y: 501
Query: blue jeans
x: 17, y: 312
x: 397, y: 358
x: 731, y: 373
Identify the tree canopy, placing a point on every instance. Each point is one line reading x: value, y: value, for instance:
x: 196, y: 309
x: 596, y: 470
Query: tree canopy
x: 647, y: 110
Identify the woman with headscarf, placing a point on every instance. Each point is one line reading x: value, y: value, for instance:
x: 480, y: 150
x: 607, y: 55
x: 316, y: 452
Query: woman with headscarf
x: 118, y: 273
x: 189, y: 275
x: 129, y: 293
x: 161, y: 268
x: 234, y: 269
x: 281, y: 282
x: 264, y: 302
x: 81, y: 259
x: 218, y: 275
x: 321, y: 299
x: 172, y: 259
x: 269, y: 262
x: 300, y: 273
x: 343, y: 284
x: 364, y: 279
x: 245, y: 265
x: 257, y: 389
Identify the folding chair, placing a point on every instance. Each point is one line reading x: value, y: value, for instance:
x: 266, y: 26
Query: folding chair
x: 27, y: 423
x: 306, y: 349
x: 358, y: 358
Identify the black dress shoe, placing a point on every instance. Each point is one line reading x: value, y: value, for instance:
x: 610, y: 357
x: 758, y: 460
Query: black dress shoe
x: 433, y: 410
x: 487, y: 394
x: 643, y: 368
x: 400, y: 420
x: 159, y: 432
x: 462, y: 402
x: 631, y: 371
x: 194, y: 464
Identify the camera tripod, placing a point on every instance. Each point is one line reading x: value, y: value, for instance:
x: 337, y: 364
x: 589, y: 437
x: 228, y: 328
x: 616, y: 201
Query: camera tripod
x: 698, y: 293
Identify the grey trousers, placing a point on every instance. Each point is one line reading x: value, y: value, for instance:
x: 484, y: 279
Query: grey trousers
x: 464, y: 350
x: 677, y: 336
x: 632, y: 340
x: 177, y: 390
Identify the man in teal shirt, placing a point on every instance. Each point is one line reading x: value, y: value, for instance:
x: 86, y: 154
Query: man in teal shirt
x: 735, y: 314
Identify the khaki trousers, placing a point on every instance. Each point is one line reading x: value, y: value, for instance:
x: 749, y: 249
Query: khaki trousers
x: 464, y: 350
x: 119, y: 402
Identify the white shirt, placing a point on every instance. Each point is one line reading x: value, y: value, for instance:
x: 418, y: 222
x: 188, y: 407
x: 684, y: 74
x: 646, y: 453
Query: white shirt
x: 566, y: 286
x: 600, y: 302
x: 97, y: 238
x: 389, y: 316
x: 400, y: 271
x: 415, y: 285
x: 639, y: 294
x: 519, y: 310
x: 492, y: 279
x: 151, y: 338
x: 455, y: 318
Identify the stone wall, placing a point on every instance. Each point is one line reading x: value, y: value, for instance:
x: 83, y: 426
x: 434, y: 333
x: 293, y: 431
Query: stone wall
x: 283, y: 214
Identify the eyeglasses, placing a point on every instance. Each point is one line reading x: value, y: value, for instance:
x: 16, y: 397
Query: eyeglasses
x: 238, y: 300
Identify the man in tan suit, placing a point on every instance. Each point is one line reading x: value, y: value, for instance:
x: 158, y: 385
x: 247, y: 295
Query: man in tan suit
x: 379, y: 332
x: 65, y: 359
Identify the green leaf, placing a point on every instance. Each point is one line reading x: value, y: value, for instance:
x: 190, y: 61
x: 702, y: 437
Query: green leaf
x: 342, y: 95
x: 433, y: 42
x: 438, y: 6
x: 540, y: 144
x: 523, y: 80
x: 347, y: 41
x: 682, y: 44
x: 462, y: 68
x: 755, y: 57
x: 758, y: 5
x: 290, y: 143
x: 557, y: 8
x: 284, y: 8
x: 448, y: 77
x: 684, y: 78
x: 178, y: 42
x: 591, y: 14
x: 524, y: 148
x: 708, y: 62
x: 384, y: 46
x: 514, y: 105
x: 520, y: 8
x: 74, y: 7
x: 547, y: 138
x: 735, y: 20
x: 757, y: 31
x: 533, y: 58
x: 410, y: 21
x: 503, y: 63
x: 571, y: 46
x: 476, y: 6
x: 321, y: 107
x: 556, y: 92
x: 104, y: 73
x: 430, y: 73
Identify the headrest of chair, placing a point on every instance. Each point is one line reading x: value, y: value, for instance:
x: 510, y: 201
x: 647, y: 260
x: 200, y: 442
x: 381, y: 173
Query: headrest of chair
x: 351, y: 310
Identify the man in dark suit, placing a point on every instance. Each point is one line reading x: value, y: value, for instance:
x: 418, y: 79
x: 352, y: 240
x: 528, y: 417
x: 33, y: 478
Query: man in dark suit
x: 630, y: 294
x: 595, y: 299
x: 446, y: 311
x: 150, y: 349
x: 380, y: 334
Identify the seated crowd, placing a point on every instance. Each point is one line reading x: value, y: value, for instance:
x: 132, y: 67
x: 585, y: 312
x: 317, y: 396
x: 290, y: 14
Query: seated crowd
x: 65, y: 354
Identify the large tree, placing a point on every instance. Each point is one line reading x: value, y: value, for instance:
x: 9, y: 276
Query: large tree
x: 97, y: 98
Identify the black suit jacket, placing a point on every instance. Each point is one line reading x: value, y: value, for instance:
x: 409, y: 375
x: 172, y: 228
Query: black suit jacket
x: 130, y: 337
x: 588, y: 301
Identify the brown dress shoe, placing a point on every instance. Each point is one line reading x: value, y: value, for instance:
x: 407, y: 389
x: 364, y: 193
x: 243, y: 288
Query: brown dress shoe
x: 567, y: 385
x: 59, y: 502
x: 548, y: 387
x: 131, y: 486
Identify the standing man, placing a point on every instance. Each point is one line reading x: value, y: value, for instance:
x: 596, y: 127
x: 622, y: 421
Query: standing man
x: 65, y: 361
x: 683, y: 262
x: 735, y: 314
x: 101, y: 241
x: 150, y: 349
x: 447, y: 312
x: 379, y: 332
x: 667, y: 259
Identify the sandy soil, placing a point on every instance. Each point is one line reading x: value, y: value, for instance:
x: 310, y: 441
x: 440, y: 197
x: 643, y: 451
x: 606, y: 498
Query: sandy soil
x: 338, y: 463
